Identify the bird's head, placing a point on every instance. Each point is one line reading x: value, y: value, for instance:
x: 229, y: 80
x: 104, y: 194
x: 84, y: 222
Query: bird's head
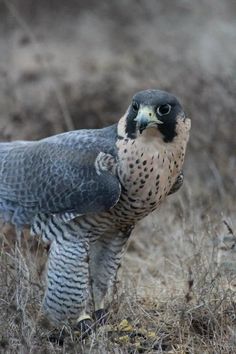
x: 153, y: 109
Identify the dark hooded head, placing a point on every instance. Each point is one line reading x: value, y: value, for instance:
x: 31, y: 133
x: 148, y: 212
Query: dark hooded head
x: 153, y: 109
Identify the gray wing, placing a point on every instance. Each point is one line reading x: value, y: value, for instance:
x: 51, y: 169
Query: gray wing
x: 56, y: 176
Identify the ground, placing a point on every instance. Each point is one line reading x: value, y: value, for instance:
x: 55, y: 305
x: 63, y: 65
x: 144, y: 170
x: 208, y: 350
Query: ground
x: 74, y: 64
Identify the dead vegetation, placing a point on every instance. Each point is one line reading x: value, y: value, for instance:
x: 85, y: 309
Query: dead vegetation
x: 176, y: 289
x: 177, y: 305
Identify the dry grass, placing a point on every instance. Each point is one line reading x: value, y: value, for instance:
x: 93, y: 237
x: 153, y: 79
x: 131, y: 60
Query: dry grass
x: 182, y: 303
x: 176, y: 289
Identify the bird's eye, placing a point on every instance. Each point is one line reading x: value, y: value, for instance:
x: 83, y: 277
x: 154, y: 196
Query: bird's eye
x: 135, y: 106
x: 164, y: 109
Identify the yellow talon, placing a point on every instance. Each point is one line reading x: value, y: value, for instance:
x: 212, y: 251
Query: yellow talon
x: 83, y: 317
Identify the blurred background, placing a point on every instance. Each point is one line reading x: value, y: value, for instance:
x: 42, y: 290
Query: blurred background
x: 75, y: 64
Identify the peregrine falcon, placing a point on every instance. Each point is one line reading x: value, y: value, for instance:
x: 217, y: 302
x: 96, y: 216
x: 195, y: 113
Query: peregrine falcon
x: 83, y: 192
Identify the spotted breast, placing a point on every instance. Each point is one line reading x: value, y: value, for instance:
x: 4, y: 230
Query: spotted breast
x: 147, y: 171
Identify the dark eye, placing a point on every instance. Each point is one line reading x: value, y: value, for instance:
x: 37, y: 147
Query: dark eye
x: 164, y: 109
x: 135, y: 106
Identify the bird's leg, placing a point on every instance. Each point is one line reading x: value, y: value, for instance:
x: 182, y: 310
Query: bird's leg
x: 105, y: 258
x: 84, y: 323
x: 67, y: 294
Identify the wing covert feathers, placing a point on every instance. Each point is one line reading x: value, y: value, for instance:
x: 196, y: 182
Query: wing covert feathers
x: 57, y: 176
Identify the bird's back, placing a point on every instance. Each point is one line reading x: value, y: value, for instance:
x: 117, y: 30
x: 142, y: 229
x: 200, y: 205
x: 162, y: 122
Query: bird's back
x: 41, y: 176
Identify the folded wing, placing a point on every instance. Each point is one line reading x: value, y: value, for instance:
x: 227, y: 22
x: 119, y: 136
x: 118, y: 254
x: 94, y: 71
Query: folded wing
x: 53, y: 177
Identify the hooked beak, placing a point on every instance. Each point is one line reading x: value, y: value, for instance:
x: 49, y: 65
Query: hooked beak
x: 146, y: 117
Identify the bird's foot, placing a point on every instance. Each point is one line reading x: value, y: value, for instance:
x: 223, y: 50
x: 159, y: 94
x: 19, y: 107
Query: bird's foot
x: 84, y: 326
x: 101, y: 316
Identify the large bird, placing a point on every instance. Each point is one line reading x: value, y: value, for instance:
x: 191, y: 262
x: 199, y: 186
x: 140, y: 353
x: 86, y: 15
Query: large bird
x: 83, y: 191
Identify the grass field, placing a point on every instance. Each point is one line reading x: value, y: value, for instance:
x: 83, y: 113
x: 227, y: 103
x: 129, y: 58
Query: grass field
x: 77, y: 64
